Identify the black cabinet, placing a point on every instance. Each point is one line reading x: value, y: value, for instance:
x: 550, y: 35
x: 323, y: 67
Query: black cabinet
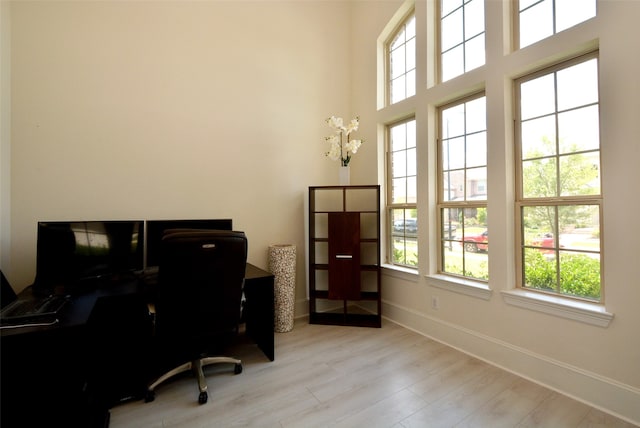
x: 45, y: 383
x: 344, y: 255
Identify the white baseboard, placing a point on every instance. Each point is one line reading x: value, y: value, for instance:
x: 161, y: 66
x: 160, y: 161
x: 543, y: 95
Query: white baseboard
x: 608, y: 395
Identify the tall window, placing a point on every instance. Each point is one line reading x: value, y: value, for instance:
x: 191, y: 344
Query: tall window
x: 402, y: 62
x: 539, y: 19
x: 461, y: 37
x: 402, y: 196
x: 462, y: 155
x: 559, y: 180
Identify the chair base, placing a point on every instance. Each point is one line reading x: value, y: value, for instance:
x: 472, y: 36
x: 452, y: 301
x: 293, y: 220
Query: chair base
x: 196, y: 366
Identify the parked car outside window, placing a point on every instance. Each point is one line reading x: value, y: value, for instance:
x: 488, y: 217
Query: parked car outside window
x: 477, y: 243
x: 407, y: 226
x: 480, y: 242
x: 449, y: 230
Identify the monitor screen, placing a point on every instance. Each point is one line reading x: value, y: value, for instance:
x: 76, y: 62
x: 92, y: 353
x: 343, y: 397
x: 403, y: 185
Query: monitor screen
x: 71, y: 252
x: 156, y: 228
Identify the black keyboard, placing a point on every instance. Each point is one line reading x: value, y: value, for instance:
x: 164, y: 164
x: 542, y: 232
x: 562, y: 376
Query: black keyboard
x: 22, y: 309
x: 52, y: 304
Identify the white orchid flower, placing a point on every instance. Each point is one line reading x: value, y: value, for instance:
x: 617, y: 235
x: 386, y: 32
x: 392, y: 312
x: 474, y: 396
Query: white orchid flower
x: 336, y: 123
x: 335, y: 151
x: 353, y: 146
x: 333, y: 139
x: 353, y: 126
x: 338, y: 149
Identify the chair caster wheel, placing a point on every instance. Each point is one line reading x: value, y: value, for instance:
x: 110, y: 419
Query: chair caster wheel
x: 237, y: 369
x: 203, y: 397
x: 149, y: 396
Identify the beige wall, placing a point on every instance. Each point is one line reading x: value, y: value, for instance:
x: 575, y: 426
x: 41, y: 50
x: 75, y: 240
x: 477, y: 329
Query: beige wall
x: 174, y: 110
x: 215, y: 109
x: 5, y: 133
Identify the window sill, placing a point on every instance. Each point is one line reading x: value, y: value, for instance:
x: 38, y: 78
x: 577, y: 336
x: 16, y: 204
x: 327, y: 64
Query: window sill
x: 400, y: 272
x: 468, y: 287
x: 588, y: 313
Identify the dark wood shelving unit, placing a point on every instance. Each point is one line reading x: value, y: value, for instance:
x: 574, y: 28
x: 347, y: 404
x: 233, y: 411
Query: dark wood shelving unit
x: 344, y: 255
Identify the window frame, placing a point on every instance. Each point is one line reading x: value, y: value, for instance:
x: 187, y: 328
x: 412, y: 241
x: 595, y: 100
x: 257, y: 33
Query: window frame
x: 465, y: 41
x: 557, y: 201
x: 431, y: 92
x: 411, y: 14
x: 443, y: 204
x: 390, y: 205
x: 554, y: 18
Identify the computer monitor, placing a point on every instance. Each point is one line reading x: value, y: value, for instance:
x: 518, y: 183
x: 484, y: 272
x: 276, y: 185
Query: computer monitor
x: 156, y: 228
x: 72, y: 254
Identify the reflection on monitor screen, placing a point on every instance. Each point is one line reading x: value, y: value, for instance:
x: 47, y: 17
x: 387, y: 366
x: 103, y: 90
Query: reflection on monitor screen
x: 69, y: 252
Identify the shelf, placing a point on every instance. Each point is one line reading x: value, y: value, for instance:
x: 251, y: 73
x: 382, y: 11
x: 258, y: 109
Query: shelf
x: 345, y: 210
x: 363, y: 240
x: 325, y: 266
x: 344, y: 236
x: 364, y: 295
x: 356, y: 320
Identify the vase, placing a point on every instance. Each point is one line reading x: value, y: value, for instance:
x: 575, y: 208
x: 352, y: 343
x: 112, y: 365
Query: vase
x: 282, y: 264
x: 345, y: 175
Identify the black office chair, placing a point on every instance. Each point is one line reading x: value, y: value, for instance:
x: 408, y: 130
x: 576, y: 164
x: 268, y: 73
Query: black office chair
x: 198, y: 304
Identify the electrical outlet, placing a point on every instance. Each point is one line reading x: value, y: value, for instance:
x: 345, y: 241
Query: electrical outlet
x: 435, y: 302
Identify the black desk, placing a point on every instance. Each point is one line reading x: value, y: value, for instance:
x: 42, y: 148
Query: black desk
x: 72, y: 371
x: 259, y: 308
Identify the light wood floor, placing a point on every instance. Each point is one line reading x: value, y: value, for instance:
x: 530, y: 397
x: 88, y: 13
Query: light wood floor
x: 358, y: 377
